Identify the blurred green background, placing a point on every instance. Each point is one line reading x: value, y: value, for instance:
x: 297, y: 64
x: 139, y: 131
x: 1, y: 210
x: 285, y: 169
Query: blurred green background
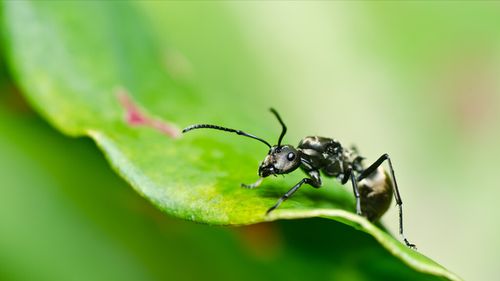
x: 417, y: 80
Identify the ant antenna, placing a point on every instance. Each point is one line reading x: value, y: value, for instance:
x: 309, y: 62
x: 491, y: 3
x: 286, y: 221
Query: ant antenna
x: 283, y: 130
x: 208, y: 126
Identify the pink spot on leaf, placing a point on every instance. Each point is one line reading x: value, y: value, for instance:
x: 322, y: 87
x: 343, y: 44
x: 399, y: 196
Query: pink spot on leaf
x: 134, y: 116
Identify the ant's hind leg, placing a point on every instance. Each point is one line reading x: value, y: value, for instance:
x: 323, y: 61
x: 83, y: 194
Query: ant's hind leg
x: 372, y: 168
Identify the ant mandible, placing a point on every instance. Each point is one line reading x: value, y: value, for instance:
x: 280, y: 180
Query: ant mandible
x: 372, y: 186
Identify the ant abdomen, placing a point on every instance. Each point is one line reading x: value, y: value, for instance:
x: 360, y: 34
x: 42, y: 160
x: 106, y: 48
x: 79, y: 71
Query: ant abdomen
x: 376, y: 192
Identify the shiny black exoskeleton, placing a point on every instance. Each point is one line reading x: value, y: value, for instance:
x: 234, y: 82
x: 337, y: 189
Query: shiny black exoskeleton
x: 372, y: 186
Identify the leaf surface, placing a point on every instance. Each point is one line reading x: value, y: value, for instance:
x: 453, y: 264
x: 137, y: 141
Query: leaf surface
x: 103, y: 70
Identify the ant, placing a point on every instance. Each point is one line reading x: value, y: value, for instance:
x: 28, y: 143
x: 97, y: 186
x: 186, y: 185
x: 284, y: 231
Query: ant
x: 372, y: 186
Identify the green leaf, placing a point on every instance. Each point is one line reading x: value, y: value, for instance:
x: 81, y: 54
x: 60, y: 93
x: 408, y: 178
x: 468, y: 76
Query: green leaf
x: 52, y: 208
x: 83, y: 65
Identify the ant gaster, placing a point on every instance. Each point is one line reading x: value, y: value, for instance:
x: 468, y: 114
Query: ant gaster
x: 372, y: 186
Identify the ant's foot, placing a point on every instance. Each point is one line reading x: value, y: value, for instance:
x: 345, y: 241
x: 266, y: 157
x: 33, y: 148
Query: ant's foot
x: 247, y: 186
x: 252, y: 185
x: 410, y: 245
x: 270, y: 210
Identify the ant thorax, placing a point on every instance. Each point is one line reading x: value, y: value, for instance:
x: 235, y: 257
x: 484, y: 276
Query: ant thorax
x: 329, y: 156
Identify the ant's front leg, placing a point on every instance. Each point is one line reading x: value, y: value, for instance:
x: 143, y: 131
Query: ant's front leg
x: 253, y: 185
x: 314, y: 180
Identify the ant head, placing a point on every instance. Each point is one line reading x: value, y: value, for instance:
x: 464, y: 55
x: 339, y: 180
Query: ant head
x: 280, y: 160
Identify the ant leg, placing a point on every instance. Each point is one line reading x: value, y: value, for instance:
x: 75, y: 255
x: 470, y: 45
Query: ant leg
x: 315, y: 182
x: 253, y: 185
x: 345, y: 178
x: 356, y: 193
x: 372, y: 168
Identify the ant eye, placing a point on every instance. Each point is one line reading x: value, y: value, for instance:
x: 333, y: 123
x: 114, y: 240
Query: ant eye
x: 290, y: 156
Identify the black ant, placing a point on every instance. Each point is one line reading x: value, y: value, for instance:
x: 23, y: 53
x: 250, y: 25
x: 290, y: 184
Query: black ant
x: 372, y: 186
